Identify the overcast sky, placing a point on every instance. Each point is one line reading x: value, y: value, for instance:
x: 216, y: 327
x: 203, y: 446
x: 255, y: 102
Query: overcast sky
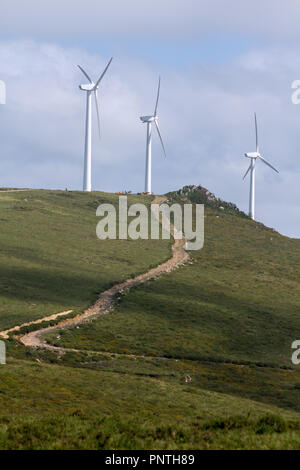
x: 219, y: 61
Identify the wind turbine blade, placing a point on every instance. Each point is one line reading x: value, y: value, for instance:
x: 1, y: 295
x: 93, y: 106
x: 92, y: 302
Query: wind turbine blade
x: 104, y: 72
x: 160, y: 137
x: 157, y: 98
x: 97, y: 110
x: 247, y: 172
x: 85, y: 74
x: 256, y: 133
x: 267, y: 163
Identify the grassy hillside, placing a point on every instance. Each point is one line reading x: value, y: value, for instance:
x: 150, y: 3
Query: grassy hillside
x: 51, y: 259
x: 76, y: 408
x: 227, y: 321
x: 238, y: 303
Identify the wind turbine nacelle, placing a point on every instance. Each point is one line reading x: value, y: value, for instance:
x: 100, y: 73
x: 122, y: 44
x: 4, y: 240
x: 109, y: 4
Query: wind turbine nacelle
x: 252, y: 155
x: 147, y: 118
x: 88, y: 87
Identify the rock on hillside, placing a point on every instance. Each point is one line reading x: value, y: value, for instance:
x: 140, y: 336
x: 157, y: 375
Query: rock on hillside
x: 201, y: 195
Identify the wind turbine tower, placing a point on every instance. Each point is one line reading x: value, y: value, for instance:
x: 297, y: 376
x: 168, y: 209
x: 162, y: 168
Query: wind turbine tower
x: 90, y: 88
x: 149, y: 120
x: 253, y: 157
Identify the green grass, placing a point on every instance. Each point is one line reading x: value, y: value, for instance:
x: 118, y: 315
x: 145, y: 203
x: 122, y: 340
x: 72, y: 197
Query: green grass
x: 55, y: 407
x: 227, y: 320
x: 51, y: 259
x: 239, y: 301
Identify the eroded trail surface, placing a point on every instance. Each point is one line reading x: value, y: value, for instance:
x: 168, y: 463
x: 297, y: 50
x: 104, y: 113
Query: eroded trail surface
x: 106, y: 299
x: 5, y: 333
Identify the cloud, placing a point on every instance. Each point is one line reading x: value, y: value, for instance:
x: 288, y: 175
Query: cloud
x: 206, y: 118
x: 157, y: 19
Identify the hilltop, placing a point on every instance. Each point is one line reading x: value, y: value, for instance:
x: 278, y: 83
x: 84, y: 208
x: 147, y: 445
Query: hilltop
x: 200, y: 195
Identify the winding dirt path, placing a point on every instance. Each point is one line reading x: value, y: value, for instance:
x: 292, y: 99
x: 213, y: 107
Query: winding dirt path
x: 5, y: 334
x: 106, y: 299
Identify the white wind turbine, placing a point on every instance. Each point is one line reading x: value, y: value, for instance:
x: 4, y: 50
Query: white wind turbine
x: 254, y: 156
x: 90, y: 88
x: 149, y: 120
